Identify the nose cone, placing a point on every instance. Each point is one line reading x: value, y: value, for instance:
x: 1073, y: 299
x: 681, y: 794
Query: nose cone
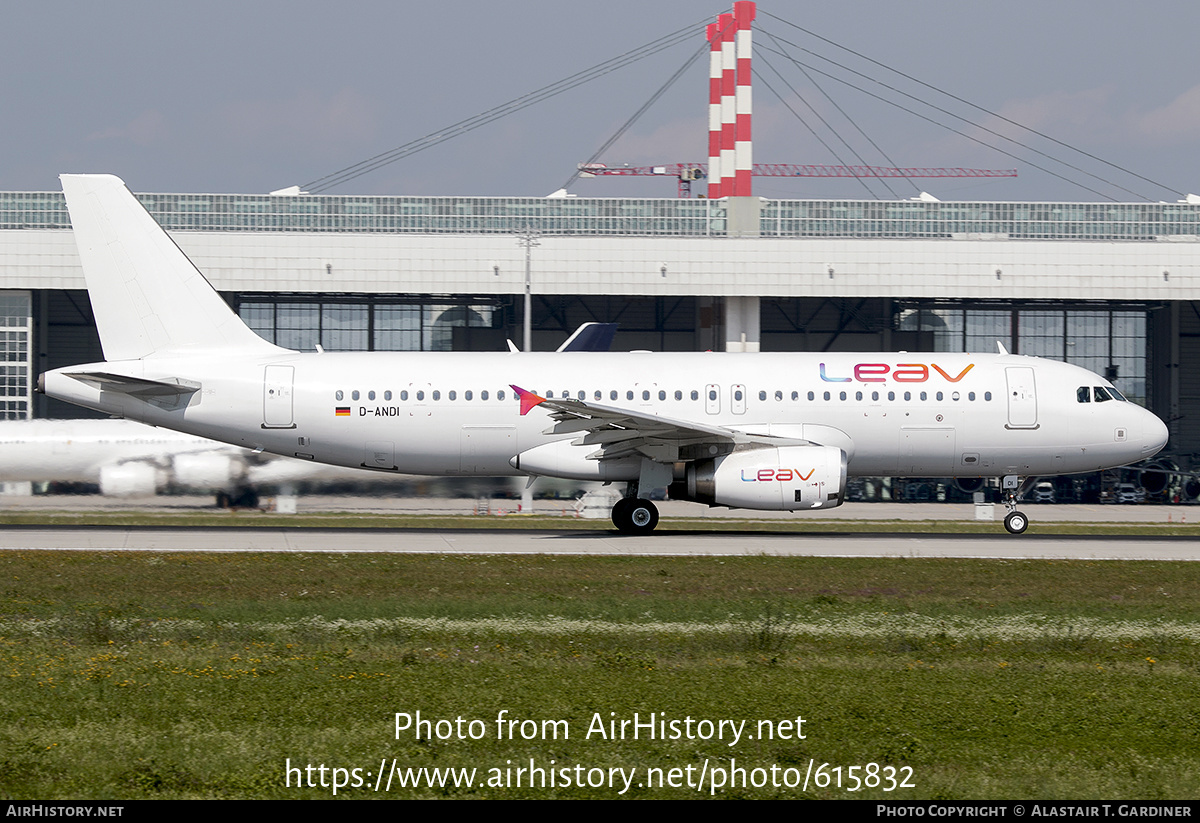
x: 1154, y: 434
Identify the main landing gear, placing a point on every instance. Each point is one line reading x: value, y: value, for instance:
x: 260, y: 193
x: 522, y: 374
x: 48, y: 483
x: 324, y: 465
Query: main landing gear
x: 1015, y: 522
x: 634, y: 516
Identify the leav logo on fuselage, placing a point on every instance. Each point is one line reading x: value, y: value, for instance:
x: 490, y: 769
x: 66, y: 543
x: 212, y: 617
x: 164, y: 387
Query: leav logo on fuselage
x: 901, y: 373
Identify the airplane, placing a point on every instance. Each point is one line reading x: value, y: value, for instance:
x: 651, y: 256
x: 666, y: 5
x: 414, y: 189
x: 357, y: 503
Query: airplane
x: 771, y: 431
x: 127, y: 458
x: 123, y: 457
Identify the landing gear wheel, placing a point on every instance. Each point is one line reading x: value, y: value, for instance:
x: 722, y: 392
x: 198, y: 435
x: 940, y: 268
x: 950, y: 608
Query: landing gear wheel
x: 1016, y: 522
x: 643, y: 517
x: 620, y: 513
x: 632, y: 516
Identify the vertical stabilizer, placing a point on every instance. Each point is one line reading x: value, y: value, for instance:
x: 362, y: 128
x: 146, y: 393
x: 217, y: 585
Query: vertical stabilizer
x: 146, y: 295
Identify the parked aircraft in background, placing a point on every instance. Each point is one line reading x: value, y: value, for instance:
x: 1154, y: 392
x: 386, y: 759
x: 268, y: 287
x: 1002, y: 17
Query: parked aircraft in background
x: 126, y: 458
x: 759, y: 431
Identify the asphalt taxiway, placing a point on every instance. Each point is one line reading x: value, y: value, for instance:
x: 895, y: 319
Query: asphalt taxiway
x: 745, y: 538
x: 566, y: 541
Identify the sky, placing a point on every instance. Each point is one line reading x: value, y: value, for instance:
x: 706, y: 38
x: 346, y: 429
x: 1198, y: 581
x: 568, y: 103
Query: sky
x: 256, y: 96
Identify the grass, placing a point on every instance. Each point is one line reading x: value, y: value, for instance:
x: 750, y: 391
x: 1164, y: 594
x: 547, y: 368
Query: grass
x: 159, y: 675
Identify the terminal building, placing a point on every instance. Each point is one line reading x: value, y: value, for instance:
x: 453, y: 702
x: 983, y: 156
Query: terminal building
x: 1112, y: 287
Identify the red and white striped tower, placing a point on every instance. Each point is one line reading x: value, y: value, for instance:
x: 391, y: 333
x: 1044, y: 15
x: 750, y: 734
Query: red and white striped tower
x: 725, y: 23
x: 714, y: 111
x: 743, y: 15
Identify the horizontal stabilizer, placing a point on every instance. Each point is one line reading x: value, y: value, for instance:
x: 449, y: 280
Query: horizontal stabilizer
x: 137, y: 386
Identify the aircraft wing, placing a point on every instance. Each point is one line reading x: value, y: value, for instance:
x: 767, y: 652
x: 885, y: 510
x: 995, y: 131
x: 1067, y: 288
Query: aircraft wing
x: 621, y: 432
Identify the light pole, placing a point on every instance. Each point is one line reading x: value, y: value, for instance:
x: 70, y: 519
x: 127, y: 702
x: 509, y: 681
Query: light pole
x: 528, y: 239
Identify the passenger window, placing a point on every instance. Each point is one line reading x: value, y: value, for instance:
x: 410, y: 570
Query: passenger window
x: 907, y: 396
x: 483, y: 395
x: 795, y: 396
x: 987, y: 395
x: 371, y: 394
x: 645, y: 394
x: 678, y: 394
x: 421, y: 395
x: 939, y: 396
x: 404, y: 395
x: 858, y: 395
x: 598, y: 395
x: 354, y: 394
x: 582, y: 395
x: 924, y: 395
x: 891, y: 395
x: 762, y: 395
x: 662, y: 395
x: 500, y: 394
x: 338, y: 395
x: 778, y: 395
x: 612, y: 395
x: 826, y: 395
x: 467, y: 395
x: 437, y: 395
x: 1083, y: 394
x: 712, y: 394
x: 628, y: 395
x: 812, y: 396
x: 387, y: 395
x: 695, y: 394
x: 874, y: 395
x: 453, y: 395
x: 841, y: 395
x: 737, y: 395
x: 971, y: 396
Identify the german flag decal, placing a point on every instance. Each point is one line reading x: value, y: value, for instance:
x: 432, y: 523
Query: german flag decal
x: 341, y: 411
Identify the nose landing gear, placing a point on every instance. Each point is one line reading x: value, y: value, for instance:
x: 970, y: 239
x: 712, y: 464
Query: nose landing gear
x: 1015, y: 522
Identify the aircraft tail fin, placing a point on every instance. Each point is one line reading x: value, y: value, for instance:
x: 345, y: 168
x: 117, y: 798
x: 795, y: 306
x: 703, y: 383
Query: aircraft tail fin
x: 147, y: 296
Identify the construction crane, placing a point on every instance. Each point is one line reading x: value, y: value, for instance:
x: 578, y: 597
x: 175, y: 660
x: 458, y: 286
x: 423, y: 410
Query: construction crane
x: 687, y: 173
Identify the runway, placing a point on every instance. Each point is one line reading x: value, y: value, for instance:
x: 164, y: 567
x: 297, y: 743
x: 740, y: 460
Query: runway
x: 663, y: 543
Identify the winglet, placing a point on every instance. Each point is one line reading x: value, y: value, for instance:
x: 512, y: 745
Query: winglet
x: 528, y: 399
x: 1000, y: 347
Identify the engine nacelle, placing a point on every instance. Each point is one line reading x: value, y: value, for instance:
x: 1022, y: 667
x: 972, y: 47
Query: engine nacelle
x: 561, y: 459
x: 207, y: 470
x: 130, y: 479
x: 970, y: 485
x: 787, y: 478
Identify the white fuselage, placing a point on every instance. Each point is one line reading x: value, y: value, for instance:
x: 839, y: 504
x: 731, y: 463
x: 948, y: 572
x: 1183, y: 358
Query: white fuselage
x: 894, y: 414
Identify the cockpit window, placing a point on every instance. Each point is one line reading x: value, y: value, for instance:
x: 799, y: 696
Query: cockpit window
x: 1083, y: 394
x: 1101, y: 394
x: 1116, y: 395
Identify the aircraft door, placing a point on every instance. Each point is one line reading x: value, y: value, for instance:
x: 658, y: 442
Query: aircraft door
x: 712, y: 398
x: 737, y: 398
x: 277, y: 397
x: 1022, y: 398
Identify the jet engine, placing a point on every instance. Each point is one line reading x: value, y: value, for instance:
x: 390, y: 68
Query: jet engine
x: 562, y: 459
x: 130, y: 479
x: 207, y: 470
x: 785, y: 478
